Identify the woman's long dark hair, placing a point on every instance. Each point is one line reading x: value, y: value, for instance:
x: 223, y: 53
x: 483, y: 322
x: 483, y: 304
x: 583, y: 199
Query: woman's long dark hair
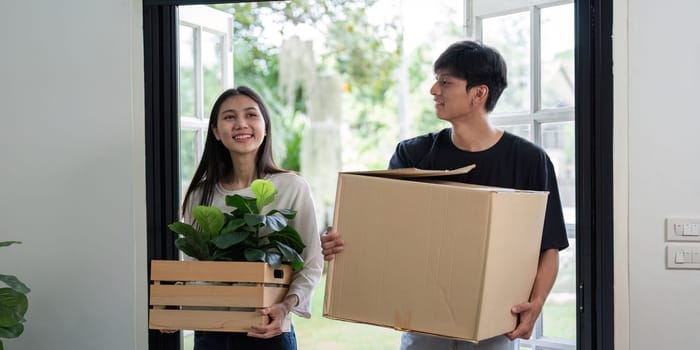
x: 216, y: 160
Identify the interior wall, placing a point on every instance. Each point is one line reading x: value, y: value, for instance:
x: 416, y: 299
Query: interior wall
x: 72, y: 155
x: 657, y: 165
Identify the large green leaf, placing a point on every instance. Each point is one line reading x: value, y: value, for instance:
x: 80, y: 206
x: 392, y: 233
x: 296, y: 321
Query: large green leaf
x: 13, y: 299
x: 255, y: 220
x: 233, y: 225
x: 291, y: 256
x: 288, y: 236
x: 13, y: 306
x: 14, y: 283
x: 274, y: 259
x: 234, y: 253
x: 276, y: 223
x: 226, y: 240
x: 6, y: 243
x: 11, y: 332
x: 252, y: 254
x: 264, y: 191
x: 243, y: 204
x: 287, y: 213
x: 9, y: 316
x: 297, y: 265
x: 184, y: 229
x: 209, y: 219
x: 192, y: 248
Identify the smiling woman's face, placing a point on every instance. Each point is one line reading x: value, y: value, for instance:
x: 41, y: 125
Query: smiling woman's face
x: 240, y: 125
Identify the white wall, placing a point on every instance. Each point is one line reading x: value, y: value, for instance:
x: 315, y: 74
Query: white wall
x: 72, y: 158
x: 657, y: 154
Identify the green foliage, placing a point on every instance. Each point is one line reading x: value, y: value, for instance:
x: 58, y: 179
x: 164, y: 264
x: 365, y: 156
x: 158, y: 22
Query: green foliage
x: 260, y: 70
x: 353, y: 48
x: 358, y: 52
x: 244, y: 234
x: 13, y: 304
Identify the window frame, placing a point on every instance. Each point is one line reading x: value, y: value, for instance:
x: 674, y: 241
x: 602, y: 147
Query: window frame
x: 199, y: 19
x: 535, y: 117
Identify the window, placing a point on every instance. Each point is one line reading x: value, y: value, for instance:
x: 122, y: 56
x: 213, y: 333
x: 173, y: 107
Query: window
x: 205, y: 68
x: 537, y: 42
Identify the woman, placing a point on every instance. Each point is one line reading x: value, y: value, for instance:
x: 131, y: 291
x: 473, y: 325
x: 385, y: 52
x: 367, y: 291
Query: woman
x: 238, y: 150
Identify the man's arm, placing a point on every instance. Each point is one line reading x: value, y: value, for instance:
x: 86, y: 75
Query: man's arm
x: 547, y: 269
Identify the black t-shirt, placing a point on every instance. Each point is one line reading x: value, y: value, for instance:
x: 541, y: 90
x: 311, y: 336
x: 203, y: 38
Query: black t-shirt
x: 512, y: 162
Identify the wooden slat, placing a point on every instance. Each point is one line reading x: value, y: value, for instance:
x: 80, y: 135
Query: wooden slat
x: 274, y: 295
x: 267, y: 291
x: 221, y: 271
x: 209, y: 295
x: 221, y: 321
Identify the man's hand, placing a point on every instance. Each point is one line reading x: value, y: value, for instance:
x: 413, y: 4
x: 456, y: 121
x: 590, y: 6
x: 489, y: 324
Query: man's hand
x: 527, y: 315
x: 331, y: 244
x: 277, y: 314
x: 544, y: 280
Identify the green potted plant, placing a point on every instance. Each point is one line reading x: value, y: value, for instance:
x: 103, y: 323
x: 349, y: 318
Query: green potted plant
x: 244, y: 262
x: 13, y: 304
x: 244, y: 234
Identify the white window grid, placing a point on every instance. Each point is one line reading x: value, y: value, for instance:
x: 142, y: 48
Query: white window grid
x: 475, y: 12
x: 204, y: 19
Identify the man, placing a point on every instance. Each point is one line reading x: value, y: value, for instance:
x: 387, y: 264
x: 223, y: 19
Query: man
x: 470, y: 78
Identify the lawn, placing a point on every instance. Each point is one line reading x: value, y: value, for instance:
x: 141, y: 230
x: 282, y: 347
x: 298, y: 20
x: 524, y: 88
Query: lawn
x: 322, y: 333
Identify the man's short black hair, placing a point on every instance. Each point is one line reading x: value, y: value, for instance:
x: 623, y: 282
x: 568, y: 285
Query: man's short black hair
x: 478, y: 64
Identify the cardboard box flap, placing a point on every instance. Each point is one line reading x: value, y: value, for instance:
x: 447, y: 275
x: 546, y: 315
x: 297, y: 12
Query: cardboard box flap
x: 407, y: 173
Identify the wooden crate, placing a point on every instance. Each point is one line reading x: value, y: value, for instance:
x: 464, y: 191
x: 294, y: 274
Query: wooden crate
x: 214, y: 295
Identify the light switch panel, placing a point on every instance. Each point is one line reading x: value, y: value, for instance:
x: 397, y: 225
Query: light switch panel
x: 683, y: 229
x: 685, y: 256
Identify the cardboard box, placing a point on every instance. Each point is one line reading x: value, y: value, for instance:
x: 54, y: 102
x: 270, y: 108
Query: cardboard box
x: 217, y: 296
x: 429, y: 256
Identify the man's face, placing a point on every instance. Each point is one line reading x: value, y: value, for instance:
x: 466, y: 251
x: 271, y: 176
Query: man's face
x: 452, y: 99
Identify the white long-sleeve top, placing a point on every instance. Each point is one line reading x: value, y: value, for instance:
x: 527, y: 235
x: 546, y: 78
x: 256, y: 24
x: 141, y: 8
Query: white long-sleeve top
x: 293, y: 192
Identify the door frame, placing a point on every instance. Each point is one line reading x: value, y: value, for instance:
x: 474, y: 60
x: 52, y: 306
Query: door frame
x: 594, y: 174
x: 594, y: 158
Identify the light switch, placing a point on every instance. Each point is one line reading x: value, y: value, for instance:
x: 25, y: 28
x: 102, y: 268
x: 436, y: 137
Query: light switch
x: 696, y: 257
x: 679, y: 229
x: 683, y: 229
x: 683, y: 256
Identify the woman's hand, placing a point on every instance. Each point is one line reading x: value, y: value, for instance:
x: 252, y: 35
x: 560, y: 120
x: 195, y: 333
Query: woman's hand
x: 331, y: 244
x: 277, y: 314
